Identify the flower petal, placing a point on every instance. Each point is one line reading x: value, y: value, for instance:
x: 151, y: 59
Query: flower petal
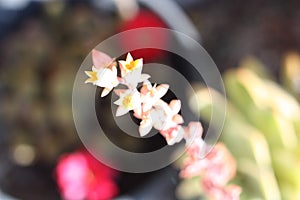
x: 129, y: 58
x: 118, y: 102
x: 145, y: 127
x: 147, y: 106
x: 122, y: 64
x: 105, y: 91
x: 145, y: 77
x: 178, y: 119
x: 92, y: 76
x: 119, y: 91
x: 194, y: 129
x: 114, y: 70
x: 217, y: 192
x: 162, y: 90
x: 121, y: 111
x: 106, y: 78
x: 138, y: 111
x: 138, y: 63
x: 177, y: 137
x: 175, y: 106
x: 173, y: 135
x: 100, y: 59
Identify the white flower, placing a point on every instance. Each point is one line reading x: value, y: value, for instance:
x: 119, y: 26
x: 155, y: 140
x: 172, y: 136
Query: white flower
x: 131, y: 72
x: 162, y: 117
x: 173, y: 135
x: 104, y: 72
x: 151, y: 94
x: 93, y: 78
x: 129, y: 100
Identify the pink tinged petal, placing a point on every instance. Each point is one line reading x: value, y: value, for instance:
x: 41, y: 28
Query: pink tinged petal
x: 122, y: 65
x: 147, y: 85
x: 145, y: 127
x: 193, y: 131
x: 218, y: 166
x: 120, y: 80
x: 195, y: 148
x: 137, y: 115
x: 226, y: 160
x: 114, y: 70
x: 121, y: 111
x: 138, y: 110
x: 192, y: 168
x: 218, y: 192
x: 169, y: 124
x: 162, y: 115
x: 179, y: 135
x: 178, y: 119
x: 175, y: 106
x: 162, y: 90
x: 234, y: 192
x: 119, y: 91
x: 195, y: 128
x: 100, y: 59
x: 144, y: 89
x: 173, y: 135
x: 145, y: 93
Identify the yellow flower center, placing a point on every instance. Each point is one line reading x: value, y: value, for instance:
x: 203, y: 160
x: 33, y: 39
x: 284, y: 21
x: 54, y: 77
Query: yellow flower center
x: 94, y: 76
x: 131, y: 66
x: 127, y: 102
x: 153, y: 91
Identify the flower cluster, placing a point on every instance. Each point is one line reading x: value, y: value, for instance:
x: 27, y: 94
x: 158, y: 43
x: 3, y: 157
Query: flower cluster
x: 146, y: 103
x: 216, y: 169
x: 80, y: 176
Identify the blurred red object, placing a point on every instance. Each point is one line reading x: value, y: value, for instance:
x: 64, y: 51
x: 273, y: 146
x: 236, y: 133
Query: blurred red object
x: 145, y: 18
x: 80, y: 176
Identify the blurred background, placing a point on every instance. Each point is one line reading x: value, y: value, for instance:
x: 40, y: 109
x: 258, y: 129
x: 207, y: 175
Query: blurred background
x: 255, y: 44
